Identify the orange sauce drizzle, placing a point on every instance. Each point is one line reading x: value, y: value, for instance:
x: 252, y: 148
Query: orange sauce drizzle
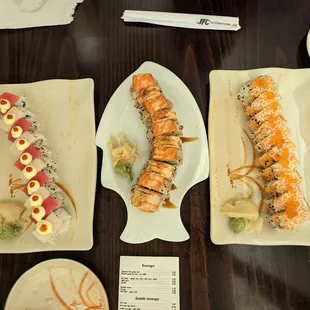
x: 189, y: 139
x: 169, y: 204
x: 80, y: 290
x: 88, y: 291
x: 58, y: 297
x: 14, y: 185
x: 66, y: 191
x: 245, y: 154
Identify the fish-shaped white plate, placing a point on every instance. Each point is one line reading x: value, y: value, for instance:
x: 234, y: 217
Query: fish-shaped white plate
x: 120, y: 115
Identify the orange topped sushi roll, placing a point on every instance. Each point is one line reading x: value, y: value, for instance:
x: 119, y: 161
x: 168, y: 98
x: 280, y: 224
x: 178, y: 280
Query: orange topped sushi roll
x: 273, y: 110
x: 154, y: 181
x: 261, y: 102
x: 163, y: 115
x: 274, y: 155
x: 171, y: 141
x: 167, y: 127
x: 262, y: 84
x: 168, y: 154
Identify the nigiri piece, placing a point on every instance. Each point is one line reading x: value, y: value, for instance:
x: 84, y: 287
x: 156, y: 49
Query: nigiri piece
x: 30, y: 171
x: 50, y: 204
x: 156, y: 104
x: 154, y: 181
x: 167, y: 127
x: 262, y: 84
x: 261, y: 102
x: 277, y: 138
x: 55, y: 223
x: 146, y: 200
x: 143, y: 80
x: 37, y: 198
x: 7, y: 100
x: 10, y: 118
x: 274, y: 155
x: 273, y: 110
x: 164, y: 169
x: 30, y: 154
x: 168, y: 154
x: 21, y: 126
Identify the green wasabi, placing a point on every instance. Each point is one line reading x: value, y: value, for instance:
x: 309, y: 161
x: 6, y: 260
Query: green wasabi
x: 124, y: 171
x: 237, y: 224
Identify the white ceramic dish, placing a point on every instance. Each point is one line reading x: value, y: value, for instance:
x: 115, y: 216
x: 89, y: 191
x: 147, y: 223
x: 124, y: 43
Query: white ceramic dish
x: 58, y: 284
x: 120, y: 115
x: 65, y: 108
x: 226, y: 120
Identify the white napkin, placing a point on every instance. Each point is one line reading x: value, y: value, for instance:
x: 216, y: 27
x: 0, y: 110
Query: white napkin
x: 194, y: 21
x: 36, y: 13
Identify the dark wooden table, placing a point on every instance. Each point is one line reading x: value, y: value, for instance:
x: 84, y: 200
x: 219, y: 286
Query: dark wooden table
x: 98, y: 45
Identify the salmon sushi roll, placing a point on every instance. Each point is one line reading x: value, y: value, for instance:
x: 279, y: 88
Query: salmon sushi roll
x: 277, y: 138
x: 163, y: 115
x: 142, y: 81
x: 261, y: 102
x: 146, y: 200
x: 164, y: 169
x: 273, y: 110
x: 154, y: 181
x: 156, y: 104
x: 171, y: 141
x: 167, y: 127
x: 168, y: 154
x: 274, y: 155
x: 148, y: 93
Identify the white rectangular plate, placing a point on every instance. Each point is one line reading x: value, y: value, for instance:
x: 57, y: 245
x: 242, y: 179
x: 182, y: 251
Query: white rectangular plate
x: 65, y: 109
x: 226, y: 120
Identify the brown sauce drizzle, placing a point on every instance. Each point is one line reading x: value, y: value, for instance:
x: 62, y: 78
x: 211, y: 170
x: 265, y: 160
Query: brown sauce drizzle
x: 189, y: 139
x: 169, y: 204
x: 173, y: 187
x: 66, y: 191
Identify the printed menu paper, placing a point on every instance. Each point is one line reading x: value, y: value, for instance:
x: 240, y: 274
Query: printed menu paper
x: 148, y: 283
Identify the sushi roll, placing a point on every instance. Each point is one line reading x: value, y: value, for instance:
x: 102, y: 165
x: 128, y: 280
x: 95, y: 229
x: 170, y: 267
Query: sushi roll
x: 277, y: 138
x: 162, y: 115
x: 142, y: 81
x: 268, y: 128
x: 154, y: 181
x: 146, y: 200
x: 167, y: 127
x: 260, y: 85
x: 165, y: 170
x: 261, y: 102
x: 274, y: 155
x: 286, y: 181
x: 10, y: 118
x: 168, y: 154
x: 286, y: 164
x: 148, y: 93
x: 281, y: 203
x: 171, y: 141
x: 290, y: 218
x: 274, y: 110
